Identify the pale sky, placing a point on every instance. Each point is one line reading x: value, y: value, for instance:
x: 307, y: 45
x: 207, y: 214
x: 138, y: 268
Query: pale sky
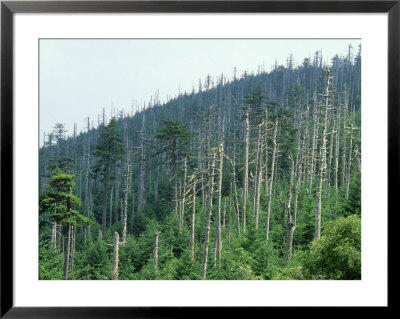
x: 80, y: 77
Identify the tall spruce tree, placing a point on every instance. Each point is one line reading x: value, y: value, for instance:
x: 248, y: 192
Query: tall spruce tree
x: 58, y: 203
x: 173, y: 139
x: 109, y: 153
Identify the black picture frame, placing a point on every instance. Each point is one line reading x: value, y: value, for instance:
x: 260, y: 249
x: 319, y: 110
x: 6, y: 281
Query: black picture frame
x: 9, y: 8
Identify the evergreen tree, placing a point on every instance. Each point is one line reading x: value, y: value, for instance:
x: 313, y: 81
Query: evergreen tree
x: 58, y: 202
x: 109, y: 153
x: 173, y: 139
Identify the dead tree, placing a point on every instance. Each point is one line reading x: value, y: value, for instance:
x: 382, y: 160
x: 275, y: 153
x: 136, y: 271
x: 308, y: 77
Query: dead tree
x: 233, y: 183
x: 73, y: 237
x: 141, y: 196
x: 314, y: 142
x: 322, y: 162
x: 208, y: 227
x: 329, y: 164
x: 236, y: 195
x: 54, y: 235
x: 349, y: 163
x: 266, y: 150
x: 246, y: 166
x: 155, y: 251
x: 115, y: 259
x: 344, y: 142
x: 218, y: 219
x: 183, y: 194
x: 337, y: 146
x: 87, y: 192
x: 292, y: 215
x: 258, y: 177
x: 67, y: 253
x: 274, y: 141
x: 126, y: 193
x: 193, y: 220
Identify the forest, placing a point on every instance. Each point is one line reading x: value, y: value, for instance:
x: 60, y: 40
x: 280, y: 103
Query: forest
x: 253, y: 177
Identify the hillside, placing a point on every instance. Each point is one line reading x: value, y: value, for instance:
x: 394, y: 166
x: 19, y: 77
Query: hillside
x: 257, y: 177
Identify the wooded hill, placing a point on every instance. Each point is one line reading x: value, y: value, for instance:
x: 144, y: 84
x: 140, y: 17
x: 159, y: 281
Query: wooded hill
x: 258, y: 177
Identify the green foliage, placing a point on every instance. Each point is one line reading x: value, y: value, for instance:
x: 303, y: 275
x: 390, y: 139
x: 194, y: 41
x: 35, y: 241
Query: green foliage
x: 304, y: 233
x: 94, y: 262
x: 265, y: 258
x: 173, y: 139
x: 50, y: 262
x: 337, y: 254
x: 58, y: 201
x: 139, y: 224
x: 126, y: 263
x: 186, y: 268
x: 65, y: 164
x: 353, y: 204
x: 218, y: 112
x: 234, y: 266
x: 109, y: 151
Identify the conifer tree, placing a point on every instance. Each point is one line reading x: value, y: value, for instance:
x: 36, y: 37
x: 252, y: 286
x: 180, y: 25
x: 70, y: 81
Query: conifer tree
x: 173, y: 140
x: 109, y: 153
x: 58, y: 202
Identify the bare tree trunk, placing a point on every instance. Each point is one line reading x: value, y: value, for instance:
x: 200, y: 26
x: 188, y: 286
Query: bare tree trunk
x: 87, y: 193
x: 60, y: 228
x: 266, y: 151
x: 255, y: 177
x: 358, y: 157
x: 155, y: 251
x: 298, y: 169
x: 237, y: 210
x: 322, y: 164
x: 236, y: 195
x: 183, y: 195
x: 344, y: 148
x: 67, y: 253
x: 258, y: 177
x: 314, y: 142
x: 115, y: 258
x: 271, y: 180
x: 141, y: 184
x: 54, y: 235
x: 202, y: 224
x: 329, y: 165
x: 117, y: 199
x: 126, y: 191
x: 208, y: 227
x: 193, y: 221
x: 215, y: 239
x: 349, y: 162
x: 219, y: 238
x: 304, y: 148
x: 246, y: 168
x: 337, y: 142
x: 73, y: 230
x: 291, y: 224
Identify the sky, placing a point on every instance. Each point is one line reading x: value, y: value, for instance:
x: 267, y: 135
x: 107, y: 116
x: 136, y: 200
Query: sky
x: 80, y: 77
